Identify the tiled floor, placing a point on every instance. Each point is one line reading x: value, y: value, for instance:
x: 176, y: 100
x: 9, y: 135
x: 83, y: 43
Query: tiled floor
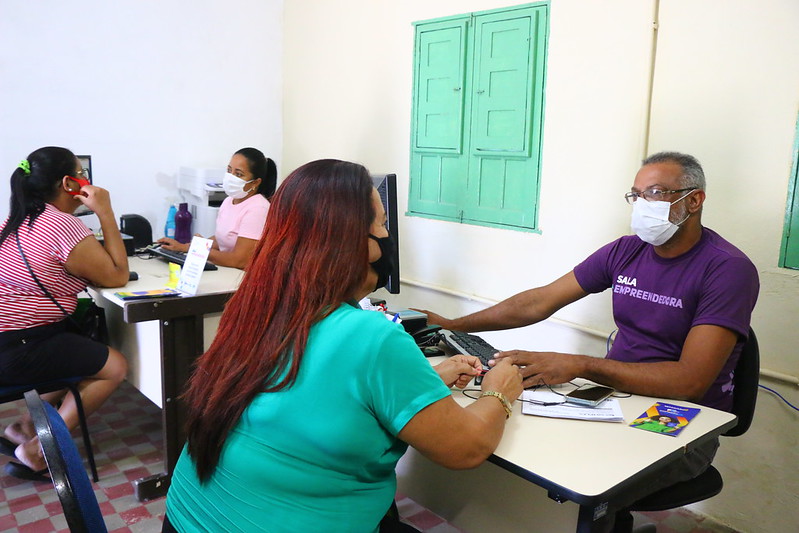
x: 126, y: 434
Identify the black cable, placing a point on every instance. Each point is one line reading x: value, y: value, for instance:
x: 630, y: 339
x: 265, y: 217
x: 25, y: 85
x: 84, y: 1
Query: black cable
x: 534, y: 402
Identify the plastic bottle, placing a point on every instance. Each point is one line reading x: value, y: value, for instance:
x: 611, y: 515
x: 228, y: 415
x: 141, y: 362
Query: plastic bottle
x: 183, y: 224
x: 169, y: 228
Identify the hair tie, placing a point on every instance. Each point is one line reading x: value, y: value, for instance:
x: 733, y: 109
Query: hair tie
x: 25, y: 166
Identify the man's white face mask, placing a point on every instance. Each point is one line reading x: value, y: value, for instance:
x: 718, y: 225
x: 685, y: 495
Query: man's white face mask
x: 650, y: 220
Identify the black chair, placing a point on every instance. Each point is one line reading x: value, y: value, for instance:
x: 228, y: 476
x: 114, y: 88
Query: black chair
x: 66, y: 468
x: 709, y: 483
x: 10, y: 393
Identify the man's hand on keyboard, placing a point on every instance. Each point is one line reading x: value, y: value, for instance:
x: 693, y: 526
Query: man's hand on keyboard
x: 538, y: 368
x: 435, y: 319
x: 459, y: 370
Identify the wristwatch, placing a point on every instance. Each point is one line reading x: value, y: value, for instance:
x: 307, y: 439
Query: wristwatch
x: 501, y: 397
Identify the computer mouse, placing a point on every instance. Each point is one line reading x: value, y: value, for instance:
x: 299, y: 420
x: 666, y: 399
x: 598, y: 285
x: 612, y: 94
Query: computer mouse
x: 133, y: 276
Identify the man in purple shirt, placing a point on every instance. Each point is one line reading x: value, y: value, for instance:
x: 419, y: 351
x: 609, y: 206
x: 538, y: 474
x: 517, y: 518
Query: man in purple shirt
x: 682, y: 298
x: 682, y: 301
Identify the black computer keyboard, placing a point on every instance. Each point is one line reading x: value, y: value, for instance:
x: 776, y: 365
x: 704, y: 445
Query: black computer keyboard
x: 468, y: 344
x: 177, y: 257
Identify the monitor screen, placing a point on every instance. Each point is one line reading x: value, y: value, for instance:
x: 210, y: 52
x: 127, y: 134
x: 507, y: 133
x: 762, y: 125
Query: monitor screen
x: 86, y: 163
x: 386, y: 185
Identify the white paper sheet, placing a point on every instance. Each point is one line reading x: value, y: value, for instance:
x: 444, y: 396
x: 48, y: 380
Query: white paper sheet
x: 607, y: 411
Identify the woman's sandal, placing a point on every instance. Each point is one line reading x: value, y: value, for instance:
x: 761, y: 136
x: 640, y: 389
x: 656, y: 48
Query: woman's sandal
x: 7, y: 447
x: 20, y: 471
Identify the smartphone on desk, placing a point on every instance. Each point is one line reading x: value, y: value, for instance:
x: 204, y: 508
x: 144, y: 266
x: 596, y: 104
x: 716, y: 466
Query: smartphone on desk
x: 589, y: 394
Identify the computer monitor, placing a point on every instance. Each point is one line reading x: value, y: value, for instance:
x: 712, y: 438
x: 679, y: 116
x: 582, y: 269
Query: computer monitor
x: 386, y: 185
x: 86, y: 163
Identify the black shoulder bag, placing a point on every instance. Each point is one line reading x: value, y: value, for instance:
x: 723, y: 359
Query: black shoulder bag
x: 87, y: 320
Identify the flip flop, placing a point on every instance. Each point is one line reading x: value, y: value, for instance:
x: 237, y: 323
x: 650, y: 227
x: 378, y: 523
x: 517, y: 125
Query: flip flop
x: 7, y: 447
x: 21, y: 471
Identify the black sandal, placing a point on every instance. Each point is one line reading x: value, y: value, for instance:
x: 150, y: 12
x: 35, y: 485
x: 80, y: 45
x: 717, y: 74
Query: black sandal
x: 7, y: 447
x: 20, y: 471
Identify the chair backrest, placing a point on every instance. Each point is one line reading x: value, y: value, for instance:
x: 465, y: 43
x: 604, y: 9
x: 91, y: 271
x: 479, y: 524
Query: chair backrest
x: 746, y: 379
x: 66, y: 467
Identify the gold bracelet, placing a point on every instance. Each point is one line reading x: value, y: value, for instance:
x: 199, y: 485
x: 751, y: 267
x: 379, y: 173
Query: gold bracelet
x: 501, y: 397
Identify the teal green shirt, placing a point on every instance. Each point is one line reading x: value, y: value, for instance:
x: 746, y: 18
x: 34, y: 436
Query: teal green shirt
x: 319, y: 456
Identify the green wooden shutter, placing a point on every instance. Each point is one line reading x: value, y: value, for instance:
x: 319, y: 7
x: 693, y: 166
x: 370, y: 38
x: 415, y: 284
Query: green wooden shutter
x: 437, y: 157
x: 503, y: 177
x: 790, y: 241
x: 477, y: 117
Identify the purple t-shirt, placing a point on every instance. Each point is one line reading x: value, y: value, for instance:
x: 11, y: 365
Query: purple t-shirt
x: 656, y: 301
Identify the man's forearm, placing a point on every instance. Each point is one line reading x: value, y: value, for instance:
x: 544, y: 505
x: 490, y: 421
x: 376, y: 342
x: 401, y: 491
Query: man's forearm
x: 665, y: 379
x: 517, y: 311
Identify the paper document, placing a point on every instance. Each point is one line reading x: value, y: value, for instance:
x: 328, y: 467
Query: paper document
x: 607, y: 411
x: 192, y: 269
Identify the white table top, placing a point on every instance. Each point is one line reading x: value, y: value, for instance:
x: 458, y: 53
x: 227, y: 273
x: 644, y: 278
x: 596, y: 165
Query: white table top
x: 591, y: 458
x: 154, y: 274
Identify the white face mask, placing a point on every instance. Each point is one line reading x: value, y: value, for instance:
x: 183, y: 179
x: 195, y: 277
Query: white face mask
x: 650, y: 221
x: 234, y: 186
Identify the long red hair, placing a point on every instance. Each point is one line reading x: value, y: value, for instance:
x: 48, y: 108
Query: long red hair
x: 313, y: 256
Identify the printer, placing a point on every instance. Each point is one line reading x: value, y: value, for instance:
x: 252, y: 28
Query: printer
x: 201, y: 188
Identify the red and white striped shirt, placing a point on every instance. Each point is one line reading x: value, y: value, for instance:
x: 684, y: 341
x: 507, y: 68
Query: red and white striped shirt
x: 47, y: 245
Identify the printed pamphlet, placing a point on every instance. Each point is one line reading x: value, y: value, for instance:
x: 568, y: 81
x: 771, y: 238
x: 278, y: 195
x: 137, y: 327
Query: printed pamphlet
x: 665, y: 418
x: 144, y: 295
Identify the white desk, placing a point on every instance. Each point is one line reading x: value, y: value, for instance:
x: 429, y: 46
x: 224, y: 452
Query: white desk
x: 161, y: 369
x: 140, y: 340
x: 600, y: 466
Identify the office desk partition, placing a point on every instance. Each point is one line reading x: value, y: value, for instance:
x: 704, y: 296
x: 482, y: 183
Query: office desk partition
x: 592, y: 468
x: 181, y: 333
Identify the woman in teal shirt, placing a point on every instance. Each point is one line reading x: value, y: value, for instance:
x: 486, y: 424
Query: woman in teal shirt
x: 304, y: 403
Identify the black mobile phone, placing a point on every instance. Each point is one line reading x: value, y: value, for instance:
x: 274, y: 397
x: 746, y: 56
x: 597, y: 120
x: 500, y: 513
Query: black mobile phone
x: 589, y: 394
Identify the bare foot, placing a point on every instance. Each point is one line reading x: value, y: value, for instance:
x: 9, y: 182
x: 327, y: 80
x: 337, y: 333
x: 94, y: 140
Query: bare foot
x: 30, y: 454
x: 20, y: 432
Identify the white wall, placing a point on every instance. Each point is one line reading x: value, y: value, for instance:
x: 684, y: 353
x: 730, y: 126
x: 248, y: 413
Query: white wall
x: 725, y: 89
x: 144, y: 87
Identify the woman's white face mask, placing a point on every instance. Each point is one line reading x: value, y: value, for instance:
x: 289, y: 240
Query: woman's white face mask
x: 650, y: 220
x: 234, y: 186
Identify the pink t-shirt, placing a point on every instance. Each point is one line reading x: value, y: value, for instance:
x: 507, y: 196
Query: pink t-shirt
x: 245, y: 219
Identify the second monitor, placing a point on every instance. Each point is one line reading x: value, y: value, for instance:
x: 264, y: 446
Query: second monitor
x: 386, y: 185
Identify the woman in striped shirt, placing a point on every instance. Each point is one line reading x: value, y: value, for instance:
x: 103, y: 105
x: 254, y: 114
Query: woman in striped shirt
x: 62, y: 253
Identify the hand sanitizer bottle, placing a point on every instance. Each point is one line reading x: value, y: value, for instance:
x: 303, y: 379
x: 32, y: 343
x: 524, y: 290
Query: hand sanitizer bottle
x: 169, y: 228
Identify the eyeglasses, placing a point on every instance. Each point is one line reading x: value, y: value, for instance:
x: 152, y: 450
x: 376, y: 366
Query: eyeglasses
x: 653, y: 195
x: 83, y: 173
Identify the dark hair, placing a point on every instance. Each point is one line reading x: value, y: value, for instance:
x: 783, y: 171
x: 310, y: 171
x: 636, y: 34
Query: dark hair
x: 261, y: 167
x: 313, y: 256
x: 30, y: 192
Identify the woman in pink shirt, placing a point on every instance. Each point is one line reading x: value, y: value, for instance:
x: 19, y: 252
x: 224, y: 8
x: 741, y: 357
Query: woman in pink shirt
x: 249, y: 183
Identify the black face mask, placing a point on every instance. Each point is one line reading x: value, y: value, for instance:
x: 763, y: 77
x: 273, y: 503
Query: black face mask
x: 384, y: 265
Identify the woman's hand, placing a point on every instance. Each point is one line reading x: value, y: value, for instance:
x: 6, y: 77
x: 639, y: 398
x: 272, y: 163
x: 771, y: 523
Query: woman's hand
x: 172, y: 244
x: 95, y: 198
x: 458, y: 370
x: 504, y: 377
